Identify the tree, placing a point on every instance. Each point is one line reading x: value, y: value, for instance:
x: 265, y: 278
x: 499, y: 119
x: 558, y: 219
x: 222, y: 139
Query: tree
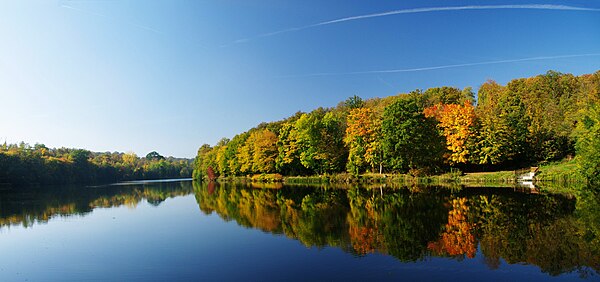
x: 288, y: 156
x: 130, y: 158
x: 503, y: 126
x: 588, y: 144
x: 319, y: 138
x: 265, y: 151
x: 411, y: 141
x: 354, y: 102
x: 154, y: 156
x: 457, y: 123
x: 232, y: 150
x: 362, y: 138
x: 446, y: 95
x: 201, y: 162
x: 80, y: 156
x: 221, y: 162
x: 245, y: 155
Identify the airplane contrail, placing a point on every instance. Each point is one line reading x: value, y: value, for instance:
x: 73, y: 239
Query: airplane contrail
x: 424, y: 10
x: 442, y: 66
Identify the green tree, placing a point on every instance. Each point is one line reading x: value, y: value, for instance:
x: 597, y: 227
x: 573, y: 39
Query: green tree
x: 411, y: 141
x: 354, y: 102
x: 154, y: 156
x: 588, y: 144
x: 502, y: 130
x: 319, y: 139
x: 201, y: 162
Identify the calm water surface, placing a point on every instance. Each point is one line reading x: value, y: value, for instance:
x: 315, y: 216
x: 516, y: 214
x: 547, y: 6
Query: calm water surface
x: 190, y: 231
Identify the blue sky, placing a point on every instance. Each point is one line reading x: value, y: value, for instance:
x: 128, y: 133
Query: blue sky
x: 166, y: 75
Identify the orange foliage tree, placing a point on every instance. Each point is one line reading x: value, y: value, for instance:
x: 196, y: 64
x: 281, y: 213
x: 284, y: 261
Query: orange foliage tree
x: 457, y: 123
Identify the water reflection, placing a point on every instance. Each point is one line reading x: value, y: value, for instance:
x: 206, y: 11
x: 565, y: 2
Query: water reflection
x: 27, y: 206
x: 556, y: 233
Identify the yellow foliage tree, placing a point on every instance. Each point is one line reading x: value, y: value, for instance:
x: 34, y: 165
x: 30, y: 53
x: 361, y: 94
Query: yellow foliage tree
x: 265, y: 151
x: 457, y: 123
x: 362, y: 137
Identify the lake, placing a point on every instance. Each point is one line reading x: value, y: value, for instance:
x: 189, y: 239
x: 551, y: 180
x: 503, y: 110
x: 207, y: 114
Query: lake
x: 184, y: 230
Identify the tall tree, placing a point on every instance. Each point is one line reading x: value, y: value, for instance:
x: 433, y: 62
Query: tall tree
x: 457, y: 123
x: 411, y: 141
x: 362, y: 138
x: 265, y: 151
x: 320, y: 144
x: 588, y: 144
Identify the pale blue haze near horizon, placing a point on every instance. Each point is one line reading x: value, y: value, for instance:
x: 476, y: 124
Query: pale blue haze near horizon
x: 109, y: 75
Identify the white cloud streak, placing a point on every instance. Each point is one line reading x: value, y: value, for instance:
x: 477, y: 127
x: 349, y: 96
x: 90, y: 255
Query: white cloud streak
x: 442, y: 66
x: 457, y: 8
x: 423, y: 10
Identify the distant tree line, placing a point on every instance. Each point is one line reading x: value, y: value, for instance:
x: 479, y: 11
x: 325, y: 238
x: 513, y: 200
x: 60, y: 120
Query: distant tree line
x: 22, y: 164
x: 530, y: 120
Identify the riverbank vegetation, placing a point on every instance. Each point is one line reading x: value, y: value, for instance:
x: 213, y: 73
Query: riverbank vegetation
x: 530, y: 121
x: 23, y: 164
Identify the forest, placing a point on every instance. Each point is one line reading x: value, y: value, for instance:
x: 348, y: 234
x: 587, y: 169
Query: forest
x: 23, y: 164
x: 528, y: 121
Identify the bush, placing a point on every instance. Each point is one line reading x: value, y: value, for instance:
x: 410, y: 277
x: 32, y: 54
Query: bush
x: 267, y: 177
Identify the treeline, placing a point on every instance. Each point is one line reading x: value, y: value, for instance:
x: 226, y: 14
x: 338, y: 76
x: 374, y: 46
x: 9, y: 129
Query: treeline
x: 530, y: 120
x: 25, y: 164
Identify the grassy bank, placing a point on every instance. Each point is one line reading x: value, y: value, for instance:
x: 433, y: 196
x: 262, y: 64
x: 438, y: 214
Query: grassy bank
x: 557, y: 174
x: 565, y: 171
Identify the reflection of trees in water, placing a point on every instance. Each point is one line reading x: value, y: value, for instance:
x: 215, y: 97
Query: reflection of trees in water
x: 27, y: 207
x: 544, y: 230
x: 457, y: 239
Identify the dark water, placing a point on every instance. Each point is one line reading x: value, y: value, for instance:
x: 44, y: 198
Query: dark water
x: 190, y: 231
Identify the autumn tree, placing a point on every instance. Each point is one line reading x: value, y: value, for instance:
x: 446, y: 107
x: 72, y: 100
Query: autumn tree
x: 502, y: 131
x: 447, y: 95
x: 363, y: 132
x: 264, y: 151
x: 588, y: 144
x: 245, y: 155
x: 457, y: 124
x: 288, y: 156
x: 221, y: 158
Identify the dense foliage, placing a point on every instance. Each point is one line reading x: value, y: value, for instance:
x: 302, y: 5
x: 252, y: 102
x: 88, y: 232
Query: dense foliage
x: 528, y: 121
x: 24, y: 164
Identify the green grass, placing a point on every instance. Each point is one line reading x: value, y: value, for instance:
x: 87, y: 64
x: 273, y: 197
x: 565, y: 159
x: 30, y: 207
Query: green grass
x: 565, y: 171
x: 562, y: 176
x: 507, y: 176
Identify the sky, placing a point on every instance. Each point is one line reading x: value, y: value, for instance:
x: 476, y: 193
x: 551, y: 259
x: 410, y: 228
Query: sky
x: 169, y: 75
